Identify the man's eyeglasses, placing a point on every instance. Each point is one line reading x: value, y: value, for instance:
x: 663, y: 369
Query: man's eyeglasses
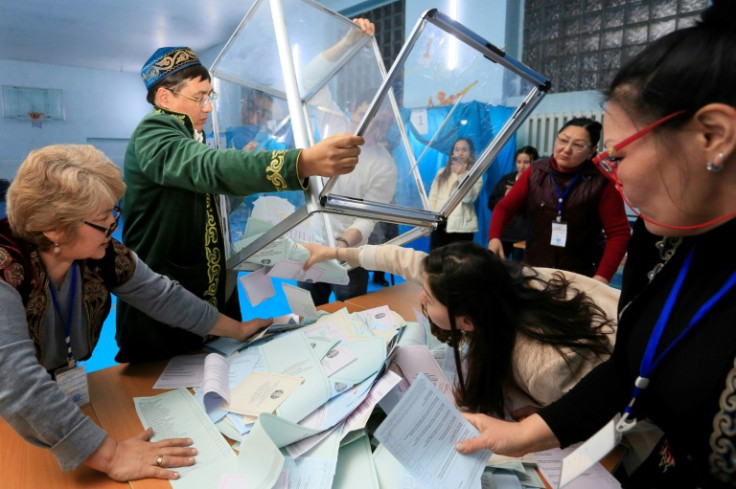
x: 112, y: 227
x: 577, y: 146
x: 607, y: 162
x: 202, y: 101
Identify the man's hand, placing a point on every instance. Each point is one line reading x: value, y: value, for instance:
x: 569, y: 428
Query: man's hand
x: 335, y: 155
x: 241, y: 331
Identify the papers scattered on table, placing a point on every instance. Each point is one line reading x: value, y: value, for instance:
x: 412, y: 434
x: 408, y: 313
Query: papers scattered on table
x: 305, y: 394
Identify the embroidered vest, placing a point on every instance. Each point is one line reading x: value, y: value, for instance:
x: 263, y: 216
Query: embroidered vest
x: 21, y: 267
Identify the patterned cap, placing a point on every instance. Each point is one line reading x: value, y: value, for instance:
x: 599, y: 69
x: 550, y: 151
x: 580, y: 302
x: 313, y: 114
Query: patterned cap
x: 166, y: 61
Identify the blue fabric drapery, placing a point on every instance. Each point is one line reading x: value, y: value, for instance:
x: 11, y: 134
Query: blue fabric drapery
x: 477, y: 121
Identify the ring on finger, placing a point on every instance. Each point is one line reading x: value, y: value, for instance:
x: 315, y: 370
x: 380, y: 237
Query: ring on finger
x: 160, y: 461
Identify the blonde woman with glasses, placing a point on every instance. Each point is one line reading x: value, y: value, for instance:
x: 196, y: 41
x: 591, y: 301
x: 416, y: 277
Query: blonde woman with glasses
x: 58, y: 266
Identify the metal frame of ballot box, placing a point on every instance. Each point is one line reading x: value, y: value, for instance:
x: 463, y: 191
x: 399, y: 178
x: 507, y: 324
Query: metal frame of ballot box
x: 439, y: 53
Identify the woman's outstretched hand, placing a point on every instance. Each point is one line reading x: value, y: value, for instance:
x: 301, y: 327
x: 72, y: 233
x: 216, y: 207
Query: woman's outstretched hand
x: 508, y: 438
x: 318, y: 253
x: 140, y: 458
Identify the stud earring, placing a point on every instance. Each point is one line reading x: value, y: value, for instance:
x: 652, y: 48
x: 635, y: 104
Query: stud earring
x: 714, y: 167
x: 56, y: 250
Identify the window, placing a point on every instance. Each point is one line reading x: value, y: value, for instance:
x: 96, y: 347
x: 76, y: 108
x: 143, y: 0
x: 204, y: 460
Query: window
x: 581, y: 44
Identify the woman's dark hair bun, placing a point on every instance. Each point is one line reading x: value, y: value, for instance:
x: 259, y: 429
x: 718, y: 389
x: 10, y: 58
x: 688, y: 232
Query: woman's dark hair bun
x: 720, y: 15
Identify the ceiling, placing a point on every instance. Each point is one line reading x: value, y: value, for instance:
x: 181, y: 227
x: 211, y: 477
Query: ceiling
x: 112, y: 34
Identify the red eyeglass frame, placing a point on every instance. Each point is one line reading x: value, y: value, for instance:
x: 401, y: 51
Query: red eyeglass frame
x: 602, y: 160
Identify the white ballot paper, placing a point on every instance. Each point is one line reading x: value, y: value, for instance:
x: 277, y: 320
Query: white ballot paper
x: 550, y: 464
x: 416, y: 359
x: 176, y: 414
x: 258, y: 286
x: 421, y: 432
x: 300, y: 301
x: 182, y: 371
x: 215, y: 382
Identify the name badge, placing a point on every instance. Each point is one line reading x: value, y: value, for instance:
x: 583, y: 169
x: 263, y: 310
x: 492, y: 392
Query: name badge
x: 559, y: 234
x: 590, y: 453
x: 73, y: 382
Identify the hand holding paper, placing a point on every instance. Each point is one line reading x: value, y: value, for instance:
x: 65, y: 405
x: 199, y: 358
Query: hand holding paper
x: 421, y: 432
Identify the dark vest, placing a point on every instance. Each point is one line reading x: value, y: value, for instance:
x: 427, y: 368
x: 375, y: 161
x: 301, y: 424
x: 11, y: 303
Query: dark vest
x: 22, y: 268
x: 585, y: 241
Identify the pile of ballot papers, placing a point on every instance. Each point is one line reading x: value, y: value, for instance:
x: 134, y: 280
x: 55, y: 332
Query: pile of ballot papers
x: 300, y: 404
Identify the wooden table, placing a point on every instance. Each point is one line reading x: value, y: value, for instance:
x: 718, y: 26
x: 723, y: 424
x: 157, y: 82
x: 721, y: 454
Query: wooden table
x: 402, y: 298
x: 26, y: 466
x: 112, y: 390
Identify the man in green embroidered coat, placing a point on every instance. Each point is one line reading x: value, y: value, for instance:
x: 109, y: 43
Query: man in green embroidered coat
x: 171, y: 217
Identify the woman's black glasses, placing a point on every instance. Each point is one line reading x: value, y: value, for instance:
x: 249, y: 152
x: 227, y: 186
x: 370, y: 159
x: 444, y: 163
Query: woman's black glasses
x: 110, y: 229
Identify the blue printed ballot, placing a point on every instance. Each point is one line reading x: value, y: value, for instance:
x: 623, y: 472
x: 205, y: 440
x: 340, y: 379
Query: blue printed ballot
x: 421, y: 432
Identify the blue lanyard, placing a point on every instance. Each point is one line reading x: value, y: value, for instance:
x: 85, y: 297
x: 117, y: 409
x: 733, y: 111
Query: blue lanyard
x: 561, y: 195
x: 70, y: 313
x: 649, y: 363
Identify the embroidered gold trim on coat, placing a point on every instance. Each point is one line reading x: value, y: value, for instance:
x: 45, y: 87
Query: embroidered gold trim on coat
x: 273, y: 171
x: 181, y: 117
x: 722, y: 458
x: 212, y: 253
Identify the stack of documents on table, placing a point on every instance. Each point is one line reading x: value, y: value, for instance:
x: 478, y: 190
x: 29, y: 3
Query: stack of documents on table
x: 291, y: 401
x: 297, y: 405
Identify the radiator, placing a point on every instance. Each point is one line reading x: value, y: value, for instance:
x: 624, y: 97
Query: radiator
x: 540, y: 130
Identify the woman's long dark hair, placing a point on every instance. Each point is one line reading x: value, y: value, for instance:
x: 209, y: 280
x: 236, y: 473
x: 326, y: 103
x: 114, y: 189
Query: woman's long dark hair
x: 447, y: 170
x: 502, y: 300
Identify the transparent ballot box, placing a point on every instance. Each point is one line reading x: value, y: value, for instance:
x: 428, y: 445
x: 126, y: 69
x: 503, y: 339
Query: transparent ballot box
x: 290, y: 81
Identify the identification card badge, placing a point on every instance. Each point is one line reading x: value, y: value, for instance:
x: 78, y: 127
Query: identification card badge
x: 590, y: 453
x: 73, y: 382
x: 559, y: 234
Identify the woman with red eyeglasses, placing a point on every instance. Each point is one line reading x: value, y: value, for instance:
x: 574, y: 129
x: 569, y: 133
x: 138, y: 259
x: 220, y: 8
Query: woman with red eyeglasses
x: 58, y: 266
x: 577, y: 221
x: 670, y: 130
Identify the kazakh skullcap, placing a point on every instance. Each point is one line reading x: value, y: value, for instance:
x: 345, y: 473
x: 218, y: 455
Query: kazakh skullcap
x: 166, y: 61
